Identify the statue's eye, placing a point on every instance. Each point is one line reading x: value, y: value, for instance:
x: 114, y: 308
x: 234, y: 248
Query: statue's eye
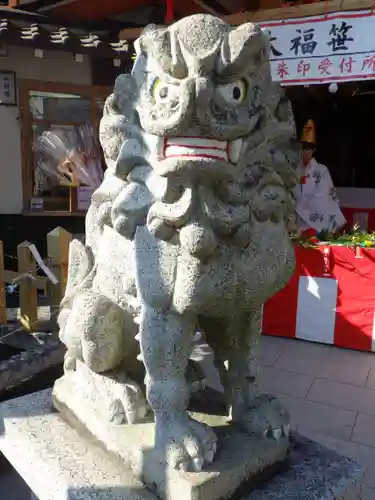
x: 234, y: 93
x: 160, y: 91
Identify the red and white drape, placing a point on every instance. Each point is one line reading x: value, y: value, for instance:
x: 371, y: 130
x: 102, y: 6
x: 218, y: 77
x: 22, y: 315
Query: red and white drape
x: 330, y: 299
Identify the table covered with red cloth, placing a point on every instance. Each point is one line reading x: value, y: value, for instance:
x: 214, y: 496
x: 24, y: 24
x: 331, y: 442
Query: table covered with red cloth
x: 330, y: 298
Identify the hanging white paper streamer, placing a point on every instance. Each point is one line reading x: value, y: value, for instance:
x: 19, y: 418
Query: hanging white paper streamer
x: 42, y: 264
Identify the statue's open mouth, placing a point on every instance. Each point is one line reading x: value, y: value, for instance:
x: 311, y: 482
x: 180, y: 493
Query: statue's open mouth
x: 198, y: 147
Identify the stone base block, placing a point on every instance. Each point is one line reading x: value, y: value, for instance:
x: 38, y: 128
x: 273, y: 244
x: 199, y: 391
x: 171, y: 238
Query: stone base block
x: 59, y: 463
x: 240, y: 458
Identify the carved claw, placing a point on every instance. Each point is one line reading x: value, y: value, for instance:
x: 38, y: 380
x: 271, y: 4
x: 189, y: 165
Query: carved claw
x: 117, y: 415
x: 277, y: 433
x: 197, y: 464
x: 190, y: 444
x: 286, y: 430
x: 265, y: 416
x: 210, y: 454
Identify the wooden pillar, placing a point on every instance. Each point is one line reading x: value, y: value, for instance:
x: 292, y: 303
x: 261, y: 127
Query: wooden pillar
x: 58, y: 242
x: 28, y: 291
x: 73, y: 199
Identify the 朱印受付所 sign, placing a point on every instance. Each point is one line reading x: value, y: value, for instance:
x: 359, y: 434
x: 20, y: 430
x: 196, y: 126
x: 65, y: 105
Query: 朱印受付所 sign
x: 328, y: 48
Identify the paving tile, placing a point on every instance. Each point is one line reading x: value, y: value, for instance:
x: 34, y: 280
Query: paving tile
x: 297, y: 346
x: 328, y: 441
x: 270, y: 349
x: 364, y: 430
x: 347, y: 373
x: 324, y: 419
x: 368, y: 494
x: 341, y: 395
x: 345, y: 365
x: 303, y: 357
x: 341, y: 355
x: 328, y: 362
x: 371, y: 378
x: 281, y: 381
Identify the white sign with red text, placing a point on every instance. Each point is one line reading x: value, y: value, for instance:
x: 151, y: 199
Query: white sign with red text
x: 330, y: 48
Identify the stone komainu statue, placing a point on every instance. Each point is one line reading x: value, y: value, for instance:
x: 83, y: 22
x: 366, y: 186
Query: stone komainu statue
x: 188, y: 230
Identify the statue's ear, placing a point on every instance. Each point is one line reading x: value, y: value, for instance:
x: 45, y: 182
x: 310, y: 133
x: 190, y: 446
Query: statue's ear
x: 163, y: 46
x: 79, y: 266
x: 244, y: 50
x: 125, y: 84
x: 125, y: 94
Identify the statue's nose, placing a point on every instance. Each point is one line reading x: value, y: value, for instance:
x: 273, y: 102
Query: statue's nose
x: 273, y: 193
x: 203, y: 91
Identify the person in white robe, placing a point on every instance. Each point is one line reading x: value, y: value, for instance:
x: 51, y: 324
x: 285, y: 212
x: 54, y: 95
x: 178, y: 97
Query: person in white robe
x: 317, y: 205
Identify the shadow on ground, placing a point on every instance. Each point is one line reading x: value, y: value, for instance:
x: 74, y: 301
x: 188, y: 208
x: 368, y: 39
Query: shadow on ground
x: 115, y: 493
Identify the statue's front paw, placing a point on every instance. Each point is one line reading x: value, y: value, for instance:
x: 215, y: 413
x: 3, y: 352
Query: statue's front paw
x: 69, y: 363
x: 122, y: 411
x: 265, y: 416
x: 184, y: 443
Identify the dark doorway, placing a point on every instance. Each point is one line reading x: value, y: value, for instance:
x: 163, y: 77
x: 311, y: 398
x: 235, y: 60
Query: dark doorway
x: 345, y: 129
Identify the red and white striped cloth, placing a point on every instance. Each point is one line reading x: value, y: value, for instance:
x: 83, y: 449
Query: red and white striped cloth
x: 330, y: 299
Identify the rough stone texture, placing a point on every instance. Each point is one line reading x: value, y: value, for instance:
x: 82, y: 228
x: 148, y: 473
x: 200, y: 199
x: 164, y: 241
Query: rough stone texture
x: 134, y: 444
x: 187, y: 230
x: 35, y: 439
x: 97, y: 390
x: 55, y: 461
x: 315, y: 473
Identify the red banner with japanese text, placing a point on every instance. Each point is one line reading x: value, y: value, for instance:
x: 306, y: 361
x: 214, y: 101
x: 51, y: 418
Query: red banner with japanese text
x: 332, y: 47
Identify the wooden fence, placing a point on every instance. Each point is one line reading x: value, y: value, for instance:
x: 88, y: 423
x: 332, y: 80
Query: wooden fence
x: 30, y: 282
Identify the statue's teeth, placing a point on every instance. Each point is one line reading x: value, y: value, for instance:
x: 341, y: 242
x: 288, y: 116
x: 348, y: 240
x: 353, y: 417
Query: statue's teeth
x: 235, y: 149
x: 137, y: 320
x: 140, y: 358
x: 138, y: 337
x: 286, y: 430
x: 134, y: 301
x: 277, y: 433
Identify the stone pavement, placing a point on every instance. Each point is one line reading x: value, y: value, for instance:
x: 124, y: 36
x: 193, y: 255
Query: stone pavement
x: 330, y: 394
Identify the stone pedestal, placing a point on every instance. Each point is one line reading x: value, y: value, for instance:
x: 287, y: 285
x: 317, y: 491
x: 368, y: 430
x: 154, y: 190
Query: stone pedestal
x: 133, y: 444
x: 58, y: 463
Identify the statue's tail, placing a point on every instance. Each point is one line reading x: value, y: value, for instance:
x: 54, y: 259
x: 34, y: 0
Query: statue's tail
x: 81, y: 272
